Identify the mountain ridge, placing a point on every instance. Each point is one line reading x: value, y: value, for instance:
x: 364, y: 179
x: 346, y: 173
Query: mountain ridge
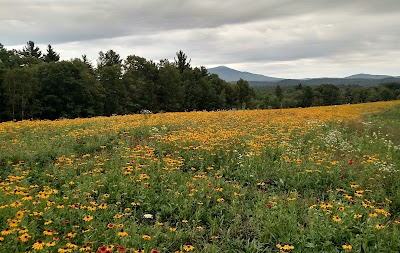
x: 367, y: 76
x: 362, y: 79
x: 232, y: 75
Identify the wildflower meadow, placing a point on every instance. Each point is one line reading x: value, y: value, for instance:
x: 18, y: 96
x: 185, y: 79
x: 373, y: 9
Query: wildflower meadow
x: 319, y: 179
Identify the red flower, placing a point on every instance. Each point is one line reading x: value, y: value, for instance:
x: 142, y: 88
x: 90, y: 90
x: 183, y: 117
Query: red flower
x: 154, y: 251
x: 121, y: 248
x: 351, y: 162
x: 110, y: 225
x: 102, y: 249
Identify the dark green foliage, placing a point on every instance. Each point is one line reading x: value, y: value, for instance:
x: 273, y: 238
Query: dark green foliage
x: 51, y: 55
x: 66, y: 90
x: 31, y: 50
x: 181, y: 62
x: 20, y: 89
x: 279, y: 94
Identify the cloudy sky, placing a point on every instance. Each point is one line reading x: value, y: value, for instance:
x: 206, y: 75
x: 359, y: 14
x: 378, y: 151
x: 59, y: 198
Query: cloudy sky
x: 281, y: 38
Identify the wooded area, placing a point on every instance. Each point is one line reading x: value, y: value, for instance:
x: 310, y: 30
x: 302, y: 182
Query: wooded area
x: 36, y: 85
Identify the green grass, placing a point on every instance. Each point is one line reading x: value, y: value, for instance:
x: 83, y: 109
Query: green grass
x: 303, y: 190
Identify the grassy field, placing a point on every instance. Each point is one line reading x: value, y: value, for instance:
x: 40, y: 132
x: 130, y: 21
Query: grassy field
x: 321, y: 179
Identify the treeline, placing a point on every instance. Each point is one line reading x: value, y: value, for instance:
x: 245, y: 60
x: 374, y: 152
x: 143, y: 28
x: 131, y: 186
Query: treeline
x: 40, y: 86
x: 36, y: 85
x: 323, y: 94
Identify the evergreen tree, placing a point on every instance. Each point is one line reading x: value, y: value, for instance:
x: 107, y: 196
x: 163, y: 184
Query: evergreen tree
x: 110, y: 58
x: 30, y: 50
x: 181, y: 61
x: 51, y: 55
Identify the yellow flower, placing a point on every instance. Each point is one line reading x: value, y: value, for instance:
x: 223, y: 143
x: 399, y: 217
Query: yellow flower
x: 220, y: 199
x: 146, y: 237
x: 122, y: 233
x: 48, y: 222
x: 48, y: 232
x: 347, y: 247
x: 38, y: 245
x: 6, y: 231
x: 24, y: 238
x: 19, y: 214
x: 373, y: 215
x: 288, y: 247
x: 188, y: 247
x: 336, y: 218
x: 379, y: 226
x: 51, y: 244
x: 88, y: 218
x: 357, y: 216
x: 103, y: 206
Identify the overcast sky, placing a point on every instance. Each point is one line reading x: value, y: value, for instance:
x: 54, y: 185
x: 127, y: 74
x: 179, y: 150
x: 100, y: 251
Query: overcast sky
x: 282, y: 38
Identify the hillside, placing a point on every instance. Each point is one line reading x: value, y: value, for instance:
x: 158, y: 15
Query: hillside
x: 335, y: 81
x: 367, y: 76
x: 232, y: 75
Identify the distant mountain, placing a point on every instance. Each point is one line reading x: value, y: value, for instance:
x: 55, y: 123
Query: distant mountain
x: 335, y: 81
x: 232, y: 75
x: 367, y: 76
x: 256, y: 80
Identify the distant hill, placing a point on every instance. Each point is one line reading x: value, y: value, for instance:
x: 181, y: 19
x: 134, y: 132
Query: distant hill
x: 367, y: 76
x: 232, y: 75
x: 335, y: 81
x: 256, y: 80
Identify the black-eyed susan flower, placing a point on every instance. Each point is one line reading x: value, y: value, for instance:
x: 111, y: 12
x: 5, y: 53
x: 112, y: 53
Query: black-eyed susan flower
x: 379, y: 226
x: 103, y: 206
x: 19, y: 215
x: 88, y: 218
x: 347, y: 247
x: 336, y: 218
x: 48, y: 232
x: 6, y: 231
x: 38, y: 245
x: 24, y: 238
x: 188, y: 247
x: 373, y: 215
x: 146, y: 237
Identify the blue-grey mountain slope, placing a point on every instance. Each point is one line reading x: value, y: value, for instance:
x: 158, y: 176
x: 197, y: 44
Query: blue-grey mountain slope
x: 232, y: 75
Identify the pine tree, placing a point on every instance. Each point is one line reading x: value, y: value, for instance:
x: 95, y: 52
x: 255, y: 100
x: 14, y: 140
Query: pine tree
x: 51, y: 55
x: 182, y: 63
x: 31, y: 50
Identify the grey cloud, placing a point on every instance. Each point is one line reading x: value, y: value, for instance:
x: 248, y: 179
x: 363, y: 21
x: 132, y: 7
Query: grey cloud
x: 64, y: 21
x: 235, y: 32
